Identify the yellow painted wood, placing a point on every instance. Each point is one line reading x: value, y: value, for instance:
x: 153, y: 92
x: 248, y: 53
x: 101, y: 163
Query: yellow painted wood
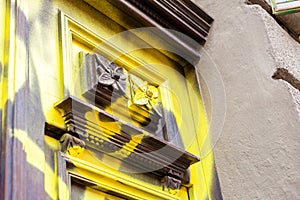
x: 3, y: 38
x: 109, y: 179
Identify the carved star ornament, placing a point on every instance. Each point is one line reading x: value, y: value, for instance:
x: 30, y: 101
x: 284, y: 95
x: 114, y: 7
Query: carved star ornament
x: 111, y: 75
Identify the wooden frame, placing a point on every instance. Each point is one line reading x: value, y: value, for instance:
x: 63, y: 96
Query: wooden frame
x: 130, y: 190
x: 73, y: 30
x: 14, y: 100
x: 285, y: 6
x: 15, y: 184
x: 70, y: 30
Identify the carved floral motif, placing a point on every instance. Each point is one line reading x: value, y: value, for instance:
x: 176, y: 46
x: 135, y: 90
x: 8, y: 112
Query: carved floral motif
x: 109, y: 74
x: 146, y: 95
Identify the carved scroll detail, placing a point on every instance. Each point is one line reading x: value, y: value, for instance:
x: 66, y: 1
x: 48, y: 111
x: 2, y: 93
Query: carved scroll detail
x: 172, y: 180
x: 171, y: 183
x: 71, y: 145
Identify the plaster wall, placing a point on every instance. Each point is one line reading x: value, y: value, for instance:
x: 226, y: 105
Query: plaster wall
x: 257, y: 151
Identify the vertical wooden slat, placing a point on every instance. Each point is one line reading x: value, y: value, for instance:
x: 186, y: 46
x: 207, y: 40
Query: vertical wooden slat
x: 13, y: 168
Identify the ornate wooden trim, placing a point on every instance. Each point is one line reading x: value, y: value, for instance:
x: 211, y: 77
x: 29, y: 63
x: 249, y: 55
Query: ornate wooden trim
x: 171, y: 183
x: 183, y: 16
x: 168, y: 17
x: 129, y: 96
x: 146, y: 152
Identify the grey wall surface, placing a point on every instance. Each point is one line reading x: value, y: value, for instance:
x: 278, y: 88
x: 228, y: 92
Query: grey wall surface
x: 257, y: 151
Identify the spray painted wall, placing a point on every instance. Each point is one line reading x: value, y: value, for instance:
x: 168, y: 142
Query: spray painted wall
x: 257, y: 151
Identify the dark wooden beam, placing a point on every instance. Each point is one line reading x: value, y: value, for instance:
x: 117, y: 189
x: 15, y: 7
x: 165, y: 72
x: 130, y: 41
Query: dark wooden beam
x: 183, y: 16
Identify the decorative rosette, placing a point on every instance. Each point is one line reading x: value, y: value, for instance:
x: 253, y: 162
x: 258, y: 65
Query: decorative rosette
x: 109, y: 74
x: 145, y: 95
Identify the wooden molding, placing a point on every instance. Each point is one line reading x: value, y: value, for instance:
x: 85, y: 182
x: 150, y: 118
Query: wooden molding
x: 168, y: 17
x: 146, y: 152
x: 183, y: 16
x: 129, y: 189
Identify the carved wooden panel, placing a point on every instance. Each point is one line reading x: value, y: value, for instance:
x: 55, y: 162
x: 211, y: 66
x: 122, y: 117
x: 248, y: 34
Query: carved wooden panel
x: 103, y: 82
x: 109, y: 86
x: 82, y: 79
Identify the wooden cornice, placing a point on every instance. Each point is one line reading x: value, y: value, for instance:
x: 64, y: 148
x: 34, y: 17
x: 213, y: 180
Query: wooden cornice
x: 169, y: 17
x: 180, y: 15
x: 150, y: 154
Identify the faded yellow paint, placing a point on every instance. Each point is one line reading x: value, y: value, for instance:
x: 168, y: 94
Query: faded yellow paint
x: 4, y: 56
x: 53, y: 116
x: 2, y: 43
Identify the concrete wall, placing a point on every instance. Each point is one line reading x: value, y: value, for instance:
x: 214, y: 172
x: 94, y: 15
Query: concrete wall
x: 257, y: 152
